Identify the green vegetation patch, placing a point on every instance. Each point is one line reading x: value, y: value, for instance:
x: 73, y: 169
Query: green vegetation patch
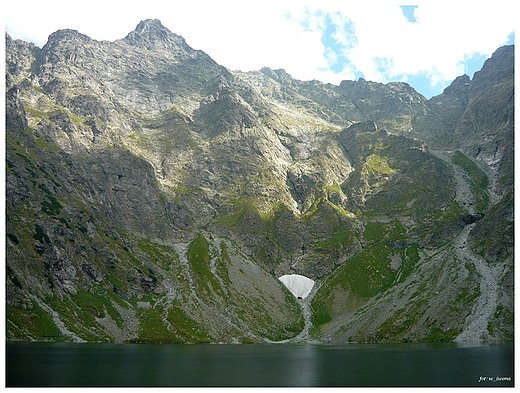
x: 170, y: 325
x: 384, y: 231
x: 503, y: 317
x: 437, y: 334
x: 40, y: 235
x: 242, y: 208
x: 185, y: 327
x: 475, y: 173
x: 152, y: 327
x: 397, y: 326
x: 78, y: 313
x: 36, y: 113
x: 378, y: 164
x: 199, y: 258
x: 367, y: 274
x: 159, y: 253
x: 340, y: 239
x: 34, y: 323
x: 52, y: 208
x: 96, y: 305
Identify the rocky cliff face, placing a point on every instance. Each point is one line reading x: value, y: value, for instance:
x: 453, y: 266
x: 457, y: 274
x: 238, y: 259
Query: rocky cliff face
x: 154, y: 195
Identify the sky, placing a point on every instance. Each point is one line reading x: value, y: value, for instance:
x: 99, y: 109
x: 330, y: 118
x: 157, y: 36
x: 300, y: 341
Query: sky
x: 427, y: 43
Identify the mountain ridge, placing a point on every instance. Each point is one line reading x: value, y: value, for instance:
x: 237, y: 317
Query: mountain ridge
x: 156, y: 196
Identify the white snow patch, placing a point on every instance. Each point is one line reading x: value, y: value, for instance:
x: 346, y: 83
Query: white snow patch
x: 300, y: 286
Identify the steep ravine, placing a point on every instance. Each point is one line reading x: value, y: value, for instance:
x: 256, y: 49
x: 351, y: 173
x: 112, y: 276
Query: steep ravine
x: 305, y: 334
x: 306, y: 308
x: 476, y: 324
x: 464, y: 196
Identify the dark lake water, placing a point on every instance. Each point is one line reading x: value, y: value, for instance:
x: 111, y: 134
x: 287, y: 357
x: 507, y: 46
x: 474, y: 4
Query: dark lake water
x: 259, y: 365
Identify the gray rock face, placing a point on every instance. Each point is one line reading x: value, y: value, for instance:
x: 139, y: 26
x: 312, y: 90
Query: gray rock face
x: 154, y: 195
x: 476, y: 116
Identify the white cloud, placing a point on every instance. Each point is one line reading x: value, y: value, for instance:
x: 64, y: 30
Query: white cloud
x: 445, y: 35
x: 288, y: 34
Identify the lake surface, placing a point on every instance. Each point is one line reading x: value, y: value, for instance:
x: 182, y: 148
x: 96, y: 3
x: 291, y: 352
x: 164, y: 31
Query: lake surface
x: 259, y: 365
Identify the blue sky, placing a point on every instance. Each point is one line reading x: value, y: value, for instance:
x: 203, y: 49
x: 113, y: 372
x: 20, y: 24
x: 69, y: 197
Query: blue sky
x: 426, y: 43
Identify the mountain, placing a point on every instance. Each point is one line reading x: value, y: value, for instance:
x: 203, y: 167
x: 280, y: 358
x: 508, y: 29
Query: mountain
x: 152, y: 195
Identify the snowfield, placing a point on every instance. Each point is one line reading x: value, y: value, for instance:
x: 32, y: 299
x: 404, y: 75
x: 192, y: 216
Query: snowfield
x: 300, y: 286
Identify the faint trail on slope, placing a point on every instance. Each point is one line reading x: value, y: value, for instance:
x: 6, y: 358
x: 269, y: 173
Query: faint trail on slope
x: 475, y: 327
x: 57, y: 321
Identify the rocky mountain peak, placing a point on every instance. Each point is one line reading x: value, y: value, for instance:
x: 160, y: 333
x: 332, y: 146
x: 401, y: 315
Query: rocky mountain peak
x: 497, y: 69
x: 458, y: 87
x: 66, y: 36
x: 279, y: 75
x: 152, y: 35
x: 65, y: 46
x: 150, y: 24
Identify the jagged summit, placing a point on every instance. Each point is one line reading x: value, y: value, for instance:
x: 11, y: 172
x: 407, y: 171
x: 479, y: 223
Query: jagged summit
x: 458, y: 87
x: 152, y: 35
x: 66, y: 35
x: 280, y: 75
x: 497, y: 69
x: 150, y: 24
